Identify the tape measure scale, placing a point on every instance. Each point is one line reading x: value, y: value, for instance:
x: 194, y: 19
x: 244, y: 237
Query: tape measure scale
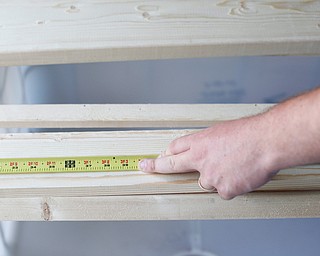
x: 71, y: 164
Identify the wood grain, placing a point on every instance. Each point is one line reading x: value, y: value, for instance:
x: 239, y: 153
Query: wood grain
x: 47, y: 32
x: 255, y: 205
x: 123, y: 115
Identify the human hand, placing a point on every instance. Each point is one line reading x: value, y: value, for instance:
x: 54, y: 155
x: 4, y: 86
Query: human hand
x: 233, y: 157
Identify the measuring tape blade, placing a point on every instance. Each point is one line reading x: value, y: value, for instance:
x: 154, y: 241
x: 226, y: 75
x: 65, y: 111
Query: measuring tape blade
x: 71, y: 164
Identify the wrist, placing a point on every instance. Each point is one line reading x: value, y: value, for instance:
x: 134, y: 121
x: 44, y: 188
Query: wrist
x: 278, y: 139
x: 266, y: 143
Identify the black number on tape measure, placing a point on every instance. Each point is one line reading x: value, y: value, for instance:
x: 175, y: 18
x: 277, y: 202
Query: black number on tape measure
x: 70, y: 164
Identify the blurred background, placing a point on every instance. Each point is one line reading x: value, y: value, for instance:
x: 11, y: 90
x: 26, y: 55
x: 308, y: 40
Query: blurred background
x: 210, y: 80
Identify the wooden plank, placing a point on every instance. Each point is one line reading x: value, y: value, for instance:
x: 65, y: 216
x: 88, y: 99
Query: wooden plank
x: 115, y: 183
x: 257, y: 205
x: 135, y: 195
x: 123, y: 115
x: 46, y: 32
x: 134, y: 183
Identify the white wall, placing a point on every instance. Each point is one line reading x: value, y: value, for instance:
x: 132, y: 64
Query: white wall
x: 288, y: 237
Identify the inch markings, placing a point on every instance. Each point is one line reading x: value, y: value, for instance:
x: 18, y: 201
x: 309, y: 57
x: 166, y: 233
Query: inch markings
x: 71, y: 164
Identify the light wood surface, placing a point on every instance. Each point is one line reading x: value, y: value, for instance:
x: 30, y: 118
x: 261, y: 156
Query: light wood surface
x: 133, y: 195
x: 47, y: 32
x: 258, y: 205
x: 305, y: 178
x: 123, y: 115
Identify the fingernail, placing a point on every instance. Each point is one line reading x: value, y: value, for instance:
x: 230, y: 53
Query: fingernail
x: 142, y: 165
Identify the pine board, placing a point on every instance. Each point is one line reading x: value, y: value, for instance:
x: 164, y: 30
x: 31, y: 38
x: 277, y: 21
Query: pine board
x: 305, y: 178
x: 133, y: 195
x: 257, y: 205
x: 51, y: 32
x: 123, y: 115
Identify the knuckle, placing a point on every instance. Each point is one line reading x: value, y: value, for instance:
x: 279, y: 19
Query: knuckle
x: 225, y: 192
x: 172, y: 163
x: 210, y: 176
x: 151, y: 165
x: 205, y: 176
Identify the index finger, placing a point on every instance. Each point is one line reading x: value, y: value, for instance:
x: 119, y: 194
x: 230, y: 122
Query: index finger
x: 168, y: 164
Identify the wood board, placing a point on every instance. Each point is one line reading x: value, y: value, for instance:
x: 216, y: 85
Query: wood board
x: 258, y: 205
x: 52, y: 32
x: 303, y: 178
x: 117, y: 196
x: 123, y: 115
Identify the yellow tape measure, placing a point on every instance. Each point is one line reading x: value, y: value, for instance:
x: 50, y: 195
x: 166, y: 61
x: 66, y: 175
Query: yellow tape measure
x: 71, y: 164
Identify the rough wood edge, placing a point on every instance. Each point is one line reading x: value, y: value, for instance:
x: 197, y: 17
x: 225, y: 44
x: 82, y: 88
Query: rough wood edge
x: 283, y: 47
